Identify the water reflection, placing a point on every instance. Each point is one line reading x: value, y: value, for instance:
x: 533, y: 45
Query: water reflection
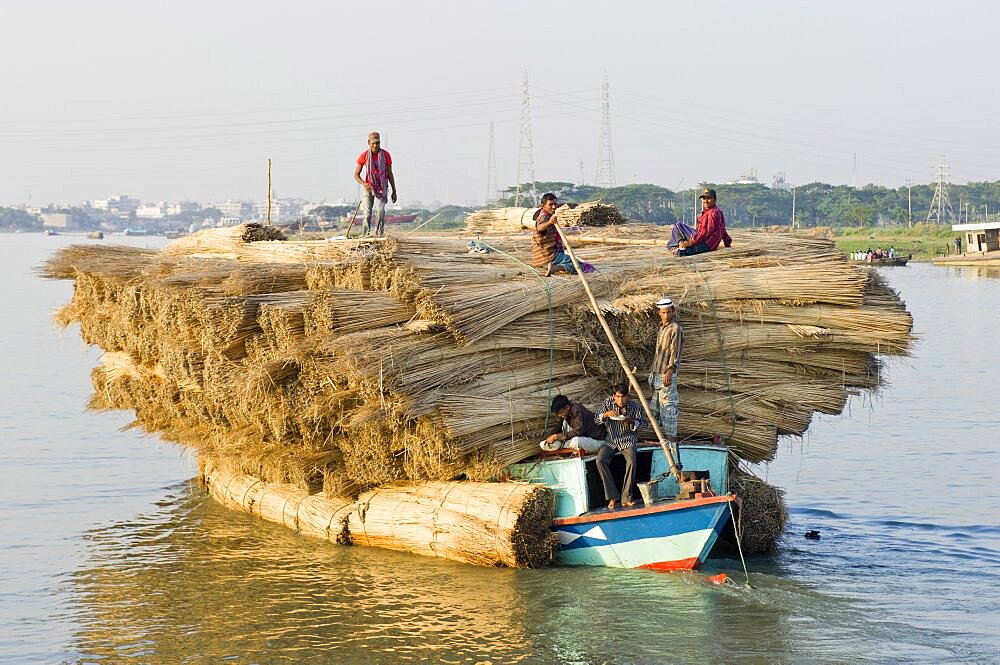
x: 979, y: 272
x: 199, y: 580
x: 903, y: 488
x: 195, y: 582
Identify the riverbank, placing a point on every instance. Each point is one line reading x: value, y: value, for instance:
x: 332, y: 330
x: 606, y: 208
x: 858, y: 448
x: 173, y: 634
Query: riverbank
x: 924, y: 241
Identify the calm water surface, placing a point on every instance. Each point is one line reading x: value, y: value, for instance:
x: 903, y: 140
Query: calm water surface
x: 109, y: 553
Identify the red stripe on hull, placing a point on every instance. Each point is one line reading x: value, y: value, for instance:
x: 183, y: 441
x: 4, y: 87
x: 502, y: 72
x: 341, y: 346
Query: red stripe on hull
x: 680, y: 564
x: 587, y: 518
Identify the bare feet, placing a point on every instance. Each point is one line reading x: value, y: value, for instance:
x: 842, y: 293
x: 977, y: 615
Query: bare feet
x: 548, y: 270
x: 612, y: 504
x: 629, y: 504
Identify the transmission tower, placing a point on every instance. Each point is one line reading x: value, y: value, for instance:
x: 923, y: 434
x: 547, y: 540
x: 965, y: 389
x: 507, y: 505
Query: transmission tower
x: 940, y: 211
x: 491, y: 172
x: 605, y: 154
x: 525, y: 153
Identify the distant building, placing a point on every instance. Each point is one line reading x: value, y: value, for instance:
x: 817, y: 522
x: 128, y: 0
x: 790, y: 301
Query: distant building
x: 57, y: 220
x: 230, y: 221
x: 980, y: 237
x: 117, y: 203
x: 183, y: 206
x: 277, y: 210
x: 152, y: 211
x: 748, y: 178
x: 231, y: 208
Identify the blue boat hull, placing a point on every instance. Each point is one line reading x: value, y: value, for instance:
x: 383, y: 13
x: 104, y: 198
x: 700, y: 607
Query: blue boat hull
x: 672, y: 536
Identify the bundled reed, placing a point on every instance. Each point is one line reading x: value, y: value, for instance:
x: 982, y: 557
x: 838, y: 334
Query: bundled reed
x: 352, y: 365
x: 487, y: 524
x: 499, y: 220
x: 502, y: 221
x: 762, y: 514
x: 593, y: 213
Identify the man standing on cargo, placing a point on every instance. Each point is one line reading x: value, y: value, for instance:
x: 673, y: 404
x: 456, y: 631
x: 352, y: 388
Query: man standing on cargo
x: 378, y: 175
x: 711, y: 228
x: 666, y: 365
x: 623, y: 417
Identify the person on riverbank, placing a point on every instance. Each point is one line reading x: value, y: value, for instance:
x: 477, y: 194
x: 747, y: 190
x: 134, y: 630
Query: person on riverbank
x: 665, y: 403
x: 958, y: 245
x: 711, y: 229
x: 547, y: 249
x: 577, y: 427
x: 623, y: 417
x: 377, y: 164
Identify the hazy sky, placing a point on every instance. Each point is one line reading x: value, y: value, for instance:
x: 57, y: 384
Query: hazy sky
x: 187, y: 100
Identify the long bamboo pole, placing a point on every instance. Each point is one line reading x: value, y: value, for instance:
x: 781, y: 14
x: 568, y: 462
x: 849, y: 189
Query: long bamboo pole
x: 674, y: 466
x: 269, y: 191
x: 422, y: 225
x: 653, y: 242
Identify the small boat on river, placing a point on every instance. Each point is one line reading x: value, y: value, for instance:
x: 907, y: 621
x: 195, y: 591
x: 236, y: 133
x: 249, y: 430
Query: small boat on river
x: 667, y: 529
x: 885, y: 260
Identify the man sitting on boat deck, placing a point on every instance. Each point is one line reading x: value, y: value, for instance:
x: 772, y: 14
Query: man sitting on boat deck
x: 623, y: 417
x: 577, y: 427
x: 711, y: 229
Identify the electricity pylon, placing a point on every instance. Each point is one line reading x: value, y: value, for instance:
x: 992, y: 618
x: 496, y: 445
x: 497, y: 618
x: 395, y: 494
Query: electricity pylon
x: 525, y: 153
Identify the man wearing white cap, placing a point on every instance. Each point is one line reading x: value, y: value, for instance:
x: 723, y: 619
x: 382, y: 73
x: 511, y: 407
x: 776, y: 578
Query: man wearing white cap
x: 666, y: 365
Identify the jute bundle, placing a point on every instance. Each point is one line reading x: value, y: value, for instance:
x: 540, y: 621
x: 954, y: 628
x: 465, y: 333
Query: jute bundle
x: 762, y: 514
x: 352, y: 364
x: 593, y: 213
x: 499, y: 220
x: 488, y: 524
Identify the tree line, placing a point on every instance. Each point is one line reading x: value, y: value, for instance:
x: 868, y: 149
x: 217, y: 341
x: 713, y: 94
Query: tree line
x: 750, y: 205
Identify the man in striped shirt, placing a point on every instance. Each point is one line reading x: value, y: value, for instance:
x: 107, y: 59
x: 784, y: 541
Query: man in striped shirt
x: 666, y: 365
x: 623, y: 417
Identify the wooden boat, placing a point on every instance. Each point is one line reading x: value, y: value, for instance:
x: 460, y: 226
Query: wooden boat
x: 885, y: 260
x: 662, y: 532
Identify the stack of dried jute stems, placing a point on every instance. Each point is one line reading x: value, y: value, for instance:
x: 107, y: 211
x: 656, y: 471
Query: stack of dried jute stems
x: 356, y: 364
x: 512, y: 220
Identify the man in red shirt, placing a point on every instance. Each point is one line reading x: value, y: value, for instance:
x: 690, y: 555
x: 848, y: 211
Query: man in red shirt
x: 711, y: 228
x: 378, y: 175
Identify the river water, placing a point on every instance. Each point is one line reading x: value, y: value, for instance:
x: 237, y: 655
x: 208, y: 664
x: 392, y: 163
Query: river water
x: 109, y: 552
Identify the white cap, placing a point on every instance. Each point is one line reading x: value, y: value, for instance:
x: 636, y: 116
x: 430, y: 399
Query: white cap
x: 664, y: 303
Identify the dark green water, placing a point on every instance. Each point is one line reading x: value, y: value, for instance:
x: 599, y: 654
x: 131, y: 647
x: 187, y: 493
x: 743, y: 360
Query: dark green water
x: 108, y: 553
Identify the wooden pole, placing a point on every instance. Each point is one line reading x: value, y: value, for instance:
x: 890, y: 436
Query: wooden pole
x: 269, y: 191
x: 598, y: 240
x: 422, y: 225
x: 674, y: 468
